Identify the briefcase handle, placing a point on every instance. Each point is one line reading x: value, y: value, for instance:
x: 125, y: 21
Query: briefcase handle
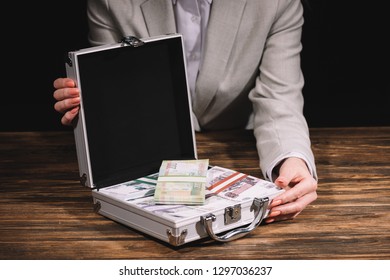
x: 259, y: 206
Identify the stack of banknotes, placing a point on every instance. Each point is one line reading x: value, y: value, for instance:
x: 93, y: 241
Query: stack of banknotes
x: 182, y: 182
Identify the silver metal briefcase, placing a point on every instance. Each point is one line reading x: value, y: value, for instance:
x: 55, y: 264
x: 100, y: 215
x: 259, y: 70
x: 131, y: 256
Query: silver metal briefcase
x: 135, y: 112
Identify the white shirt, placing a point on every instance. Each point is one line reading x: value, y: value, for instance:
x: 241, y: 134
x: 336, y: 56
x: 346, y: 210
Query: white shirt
x: 192, y: 17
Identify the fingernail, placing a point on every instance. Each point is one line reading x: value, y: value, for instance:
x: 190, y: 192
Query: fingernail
x: 279, y: 181
x: 275, y: 203
x: 274, y: 213
x: 74, y: 110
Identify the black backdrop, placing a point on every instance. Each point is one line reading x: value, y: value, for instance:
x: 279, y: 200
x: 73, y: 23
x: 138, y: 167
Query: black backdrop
x: 345, y: 62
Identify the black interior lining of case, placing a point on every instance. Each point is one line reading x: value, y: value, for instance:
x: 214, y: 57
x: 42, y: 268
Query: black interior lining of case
x: 136, y: 109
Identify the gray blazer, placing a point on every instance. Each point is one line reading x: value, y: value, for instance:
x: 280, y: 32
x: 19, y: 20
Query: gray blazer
x: 250, y: 76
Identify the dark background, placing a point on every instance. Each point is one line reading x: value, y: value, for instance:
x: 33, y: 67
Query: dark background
x: 345, y: 62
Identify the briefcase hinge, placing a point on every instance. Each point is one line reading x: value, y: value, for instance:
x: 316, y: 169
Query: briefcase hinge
x: 68, y: 60
x: 83, y: 180
x: 176, y: 239
x: 232, y: 214
x: 131, y: 41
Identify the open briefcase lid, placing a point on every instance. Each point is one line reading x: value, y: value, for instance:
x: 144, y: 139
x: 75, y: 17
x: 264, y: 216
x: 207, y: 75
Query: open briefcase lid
x: 135, y: 108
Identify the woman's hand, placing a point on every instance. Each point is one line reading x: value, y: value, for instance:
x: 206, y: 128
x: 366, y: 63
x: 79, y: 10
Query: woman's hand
x: 68, y: 99
x: 300, y: 187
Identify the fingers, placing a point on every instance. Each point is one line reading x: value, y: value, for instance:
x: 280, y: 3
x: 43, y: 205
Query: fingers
x: 65, y: 88
x: 65, y: 93
x: 300, y: 188
x: 306, y: 186
x: 64, y: 83
x: 290, y: 204
x: 290, y: 210
x: 66, y: 104
x: 68, y: 99
x: 69, y: 116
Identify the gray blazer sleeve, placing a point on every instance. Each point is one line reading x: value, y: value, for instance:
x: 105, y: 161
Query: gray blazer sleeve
x: 279, y: 125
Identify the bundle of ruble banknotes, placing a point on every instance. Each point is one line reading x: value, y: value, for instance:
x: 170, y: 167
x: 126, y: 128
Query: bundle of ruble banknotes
x: 193, y: 183
x: 182, y: 182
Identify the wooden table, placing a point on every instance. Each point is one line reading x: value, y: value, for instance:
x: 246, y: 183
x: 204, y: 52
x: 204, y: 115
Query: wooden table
x: 46, y: 214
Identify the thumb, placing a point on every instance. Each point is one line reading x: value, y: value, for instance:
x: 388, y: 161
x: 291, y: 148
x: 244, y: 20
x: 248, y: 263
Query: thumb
x: 281, y: 181
x: 285, y: 177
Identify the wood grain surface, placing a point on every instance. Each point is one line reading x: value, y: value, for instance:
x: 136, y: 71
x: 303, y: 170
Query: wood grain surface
x: 46, y: 214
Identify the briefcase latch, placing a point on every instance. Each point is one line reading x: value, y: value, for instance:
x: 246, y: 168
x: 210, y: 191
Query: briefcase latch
x: 232, y: 214
x: 259, y: 207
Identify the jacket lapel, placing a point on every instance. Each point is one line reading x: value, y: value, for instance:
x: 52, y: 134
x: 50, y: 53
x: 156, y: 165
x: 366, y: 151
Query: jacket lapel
x: 159, y: 17
x: 225, y: 18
